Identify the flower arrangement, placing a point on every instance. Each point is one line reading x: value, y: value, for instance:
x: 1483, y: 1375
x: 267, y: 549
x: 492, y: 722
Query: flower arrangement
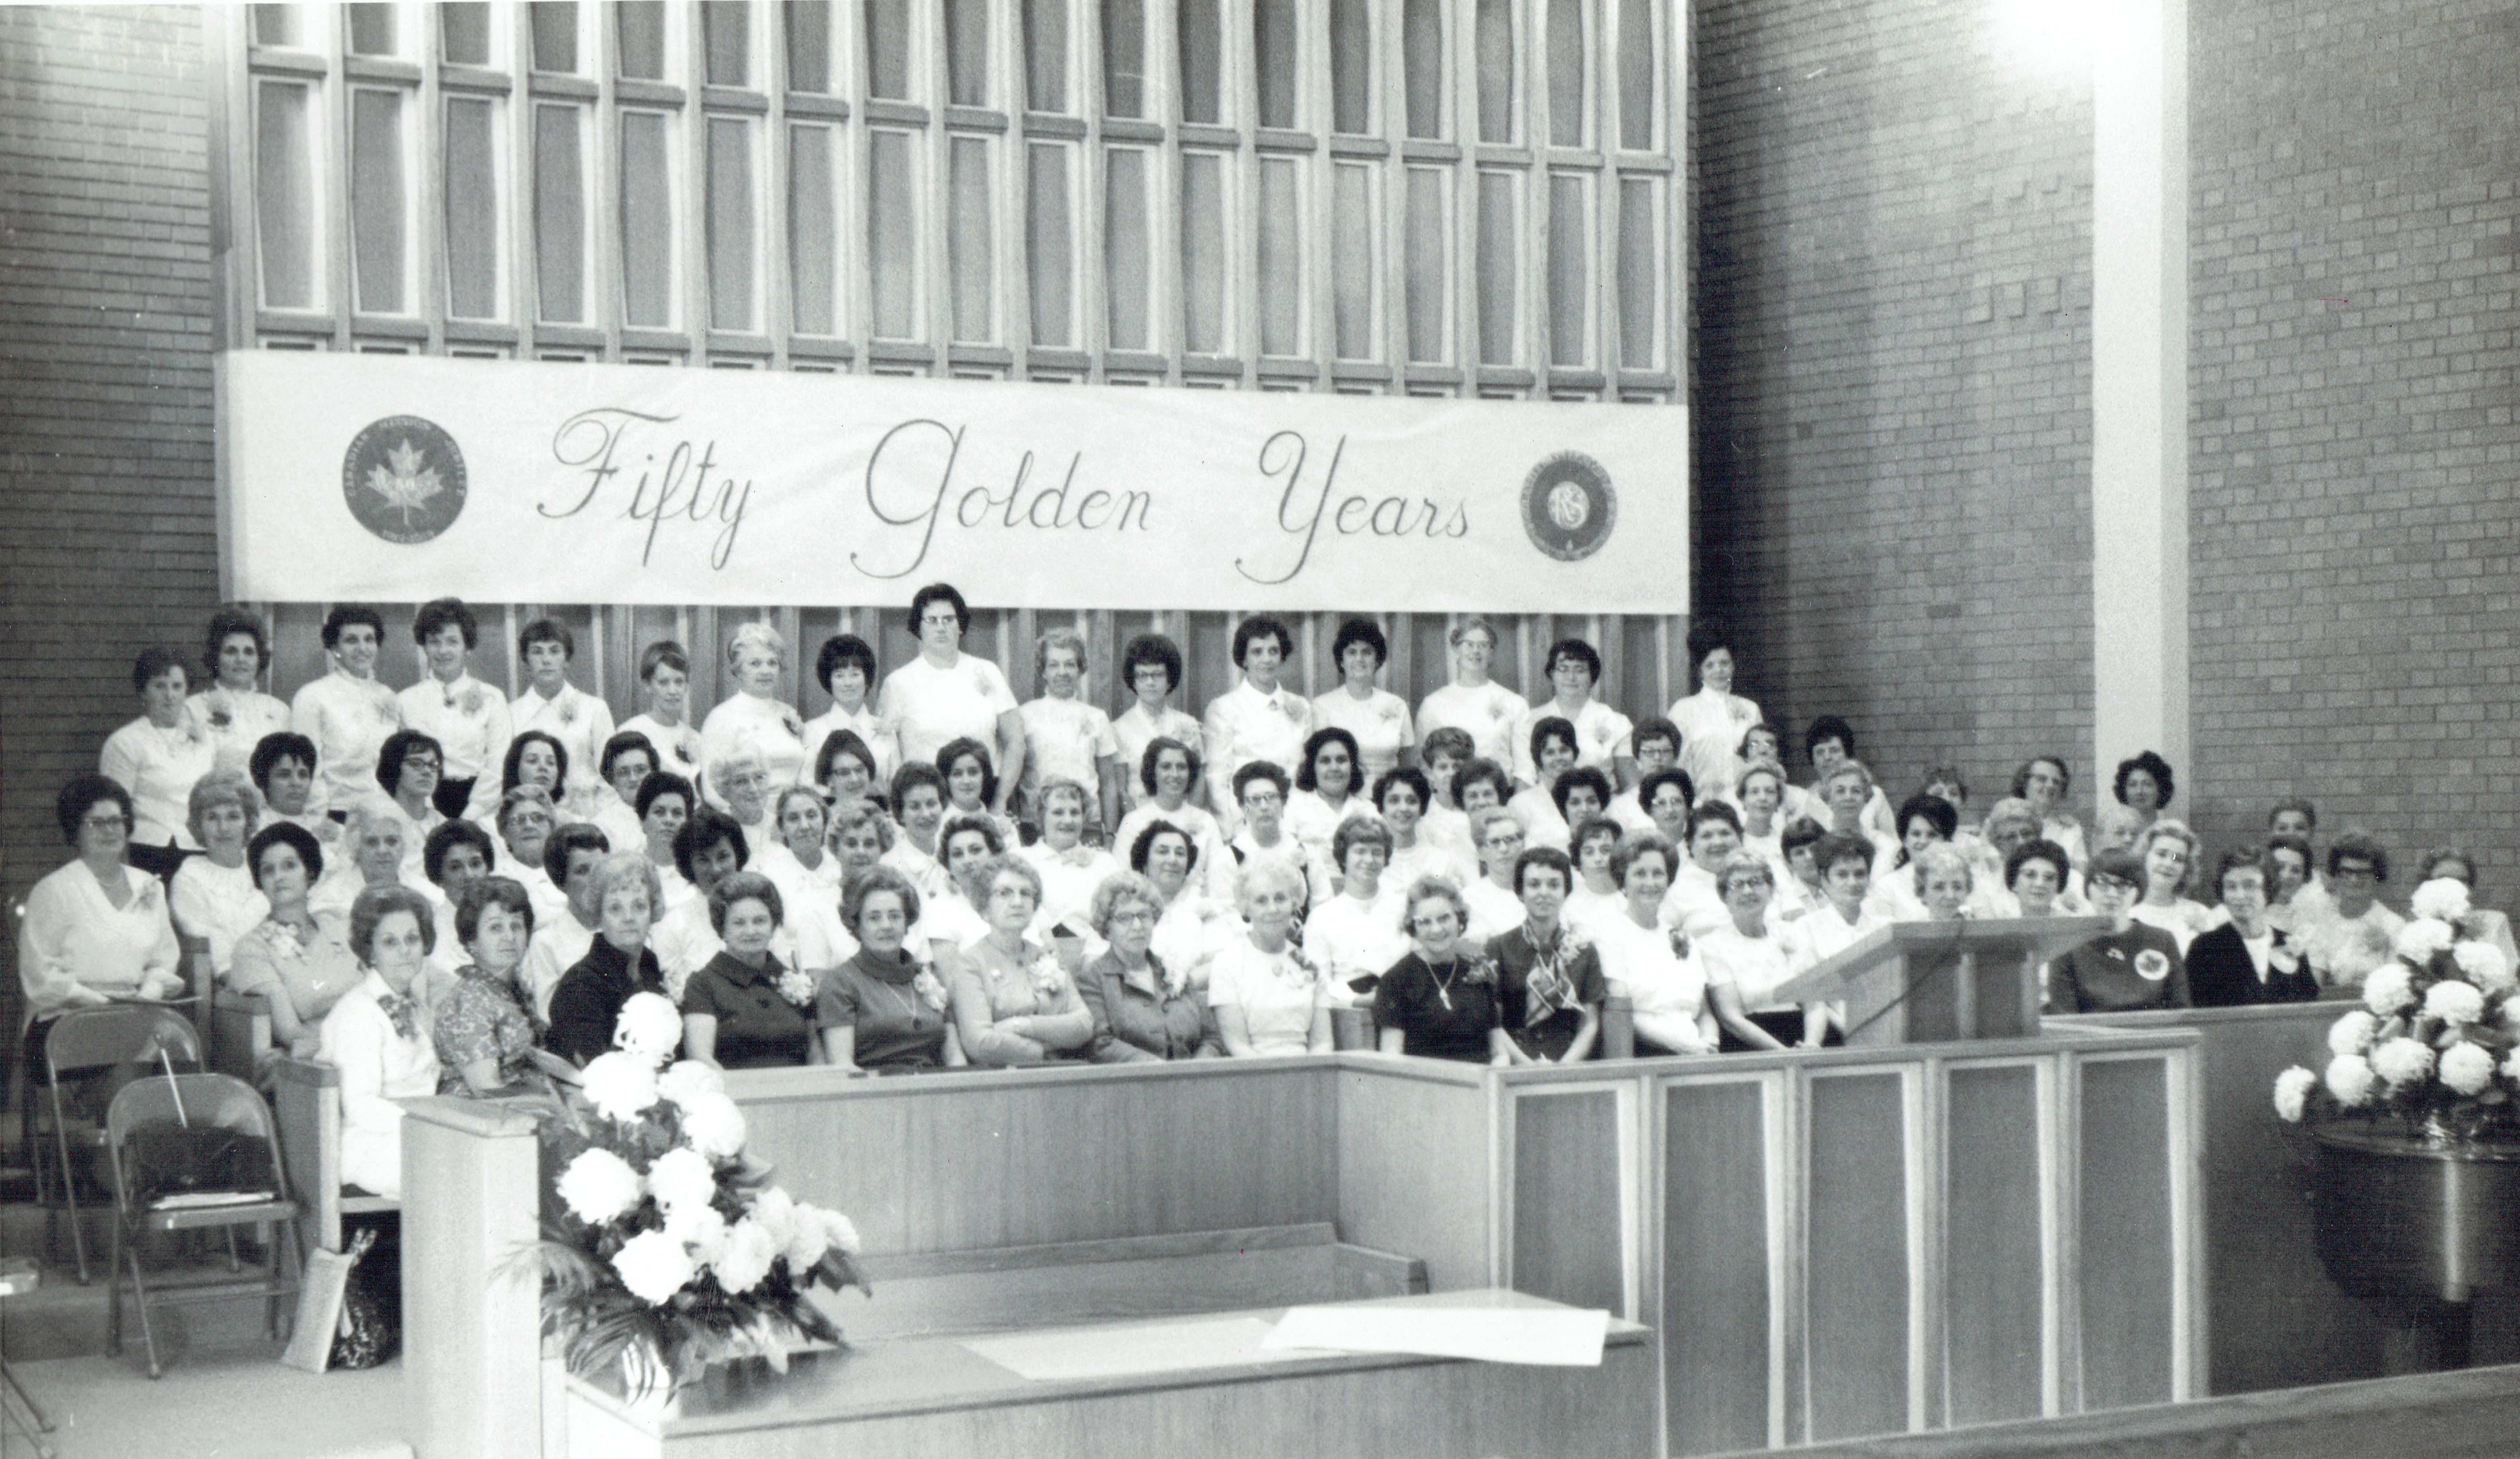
x: 2433, y: 1044
x: 662, y: 1249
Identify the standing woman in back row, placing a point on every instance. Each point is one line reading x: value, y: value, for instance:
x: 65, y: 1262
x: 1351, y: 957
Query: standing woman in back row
x: 1473, y: 703
x: 467, y: 717
x: 235, y: 709
x: 158, y: 757
x: 578, y: 721
x: 1714, y: 721
x: 346, y: 713
x: 1601, y: 733
x: 1385, y: 737
x: 1260, y: 718
x: 946, y: 694
x: 755, y: 718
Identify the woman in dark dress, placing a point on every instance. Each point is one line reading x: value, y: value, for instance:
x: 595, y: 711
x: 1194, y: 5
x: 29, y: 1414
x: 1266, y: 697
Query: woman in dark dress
x: 617, y: 964
x: 2133, y: 965
x: 883, y: 1012
x: 744, y: 1008
x: 2247, y: 959
x: 1439, y: 1001
x: 1549, y: 986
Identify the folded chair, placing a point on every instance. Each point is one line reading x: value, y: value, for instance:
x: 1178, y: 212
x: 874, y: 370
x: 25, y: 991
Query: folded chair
x: 205, y: 1102
x: 92, y: 1039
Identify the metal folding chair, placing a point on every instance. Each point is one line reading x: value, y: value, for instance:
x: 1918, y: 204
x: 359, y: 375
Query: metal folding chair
x: 90, y: 1039
x: 201, y: 1101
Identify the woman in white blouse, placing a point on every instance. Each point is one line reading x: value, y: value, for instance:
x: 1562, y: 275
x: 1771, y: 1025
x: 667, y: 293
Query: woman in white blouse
x: 213, y: 896
x: 158, y: 757
x: 234, y: 707
x: 406, y: 770
x: 1167, y: 771
x: 347, y: 714
x: 1494, y: 907
x: 665, y: 676
x: 1152, y: 667
x: 844, y: 768
x: 1270, y: 997
x: 96, y: 929
x: 1400, y: 798
x: 578, y: 721
x: 2043, y: 781
x: 1601, y: 733
x: 2170, y: 851
x: 1712, y: 721
x: 1258, y: 719
x: 1066, y: 736
x: 845, y: 669
x: 1191, y: 925
x: 946, y: 694
x: 1357, y: 936
x: 467, y: 718
x: 1647, y: 960
x: 377, y: 1036
x: 1597, y: 895
x: 1746, y: 960
x: 1327, y: 792
x: 1069, y: 868
x: 755, y: 718
x: 1380, y: 720
x: 1473, y: 703
x: 1552, y: 753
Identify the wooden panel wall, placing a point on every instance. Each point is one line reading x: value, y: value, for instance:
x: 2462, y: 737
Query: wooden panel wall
x: 1997, y: 1234
x: 1570, y: 1196
x: 1415, y: 1149
x: 1645, y: 657
x: 1722, y: 1343
x: 1859, y: 1285
x: 2126, y: 1255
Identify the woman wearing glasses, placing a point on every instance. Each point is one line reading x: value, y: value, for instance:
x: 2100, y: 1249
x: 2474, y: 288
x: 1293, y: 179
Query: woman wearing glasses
x: 946, y: 694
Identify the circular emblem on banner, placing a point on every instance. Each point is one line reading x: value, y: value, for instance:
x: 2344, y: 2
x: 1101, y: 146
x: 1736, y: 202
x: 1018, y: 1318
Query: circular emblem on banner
x: 404, y: 479
x: 1568, y: 506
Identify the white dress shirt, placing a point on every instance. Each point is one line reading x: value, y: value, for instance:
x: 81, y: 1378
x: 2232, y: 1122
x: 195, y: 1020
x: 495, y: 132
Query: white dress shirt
x: 1711, y: 727
x: 159, y: 767
x: 379, y: 1067
x: 1665, y: 987
x: 1244, y: 725
x: 866, y: 725
x: 78, y: 948
x: 1352, y: 938
x: 1488, y: 714
x: 678, y: 746
x: 1380, y: 723
x: 468, y: 720
x: 581, y: 723
x: 237, y: 723
x: 1603, y: 738
x: 927, y: 706
x: 1134, y: 729
x: 1693, y: 904
x: 218, y: 904
x: 348, y: 719
x: 1066, y: 738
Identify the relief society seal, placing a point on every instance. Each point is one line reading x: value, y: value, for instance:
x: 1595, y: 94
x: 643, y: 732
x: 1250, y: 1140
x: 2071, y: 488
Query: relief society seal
x: 1568, y: 506
x: 404, y: 479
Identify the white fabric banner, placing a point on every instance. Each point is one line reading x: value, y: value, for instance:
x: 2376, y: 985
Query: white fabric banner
x: 408, y: 477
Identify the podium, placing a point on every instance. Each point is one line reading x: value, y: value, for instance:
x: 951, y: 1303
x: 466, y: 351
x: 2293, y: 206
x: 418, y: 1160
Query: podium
x: 1942, y: 981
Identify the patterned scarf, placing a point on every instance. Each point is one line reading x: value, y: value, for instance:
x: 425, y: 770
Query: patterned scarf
x: 1546, y: 988
x: 403, y: 1011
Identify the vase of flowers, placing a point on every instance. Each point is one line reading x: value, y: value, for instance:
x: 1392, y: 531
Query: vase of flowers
x: 2417, y: 1120
x: 663, y: 1250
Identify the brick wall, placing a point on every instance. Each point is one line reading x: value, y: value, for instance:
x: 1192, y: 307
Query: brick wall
x: 2355, y: 512
x: 1893, y: 381
x: 108, y: 541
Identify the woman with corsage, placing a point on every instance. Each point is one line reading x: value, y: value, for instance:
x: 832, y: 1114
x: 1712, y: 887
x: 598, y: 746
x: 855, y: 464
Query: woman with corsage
x: 233, y: 708
x: 2247, y: 959
x: 2134, y: 964
x: 1270, y: 998
x: 744, y: 1008
x: 883, y: 1011
x: 1141, y: 1009
x: 1439, y: 1001
x: 1013, y: 1003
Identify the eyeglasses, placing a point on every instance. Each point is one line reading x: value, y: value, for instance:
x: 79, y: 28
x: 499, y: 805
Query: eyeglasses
x: 113, y: 822
x: 1133, y: 919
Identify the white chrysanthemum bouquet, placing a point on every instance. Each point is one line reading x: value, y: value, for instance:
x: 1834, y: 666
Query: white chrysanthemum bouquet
x: 658, y: 1243
x: 2433, y: 1042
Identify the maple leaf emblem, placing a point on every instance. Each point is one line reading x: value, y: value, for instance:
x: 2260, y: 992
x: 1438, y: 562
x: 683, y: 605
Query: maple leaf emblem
x: 409, y: 484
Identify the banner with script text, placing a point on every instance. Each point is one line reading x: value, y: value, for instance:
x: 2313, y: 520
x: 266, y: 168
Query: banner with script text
x: 406, y: 477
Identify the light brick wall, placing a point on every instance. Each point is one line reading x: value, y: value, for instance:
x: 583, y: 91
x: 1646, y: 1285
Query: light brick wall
x: 108, y: 541
x: 2356, y: 490
x: 1893, y: 382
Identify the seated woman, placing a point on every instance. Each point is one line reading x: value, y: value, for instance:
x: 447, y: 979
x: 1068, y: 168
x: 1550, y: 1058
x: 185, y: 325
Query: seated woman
x: 808, y: 877
x: 753, y: 719
x: 845, y: 669
x: 1013, y: 1003
x: 918, y: 808
x: 971, y: 787
x: 283, y: 770
x: 1760, y: 793
x: 665, y: 678
x: 1069, y: 737
x: 617, y: 963
x: 664, y: 805
x: 554, y: 947
x: 1260, y: 791
x: 1845, y: 787
x: 2482, y: 923
x: 1328, y: 793
x: 2145, y: 786
x: 1746, y: 961
x: 2035, y: 877
x: 485, y: 1037
x: 377, y: 1034
x: 1924, y: 820
x: 1151, y: 667
x: 967, y: 844
x: 212, y: 896
x: 1400, y: 797
x: 2117, y: 828
x: 1439, y: 1001
x: 2358, y: 930
x: 2131, y: 965
x: 1193, y: 926
x: 408, y: 764
x: 744, y: 1008
x: 2010, y: 825
x: 2043, y: 781
x: 859, y: 837
x: 2289, y: 884
x: 1376, y: 718
x: 1799, y: 892
x: 1269, y: 996
x: 1845, y: 915
x: 1552, y: 750
x: 1601, y: 733
x: 96, y: 929
x: 233, y: 708
x: 629, y: 759
x: 527, y: 817
x: 298, y: 961
x: 157, y: 758
x: 1495, y: 909
x: 1356, y: 934
x: 1597, y: 893
x: 1648, y: 960
x: 2247, y: 959
x: 1141, y: 1009
x: 1942, y: 883
x: 1668, y: 797
x: 2170, y: 853
x: 844, y: 766
x: 883, y: 1011
x: 372, y: 839
x: 736, y: 784
x: 1549, y: 986
x: 1657, y: 742
x: 537, y: 760
x: 1694, y: 904
x: 710, y: 849
x: 1167, y: 771
x: 1070, y: 870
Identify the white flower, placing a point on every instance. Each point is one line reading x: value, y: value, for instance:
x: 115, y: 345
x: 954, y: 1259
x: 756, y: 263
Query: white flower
x: 747, y: 1256
x: 2350, y: 1079
x: 843, y: 1231
x: 777, y: 1211
x: 2292, y: 1091
x: 598, y: 1185
x: 806, y: 1244
x: 2423, y: 936
x: 2484, y: 964
x: 653, y: 1266
x: 2453, y: 1001
x: 2403, y: 1062
x: 2466, y: 1067
x: 2389, y: 990
x: 682, y: 1177
x: 2441, y: 900
x: 698, y: 1227
x: 619, y: 1086
x: 689, y: 1078
x: 649, y: 1026
x: 714, y: 1126
x: 2353, y: 1034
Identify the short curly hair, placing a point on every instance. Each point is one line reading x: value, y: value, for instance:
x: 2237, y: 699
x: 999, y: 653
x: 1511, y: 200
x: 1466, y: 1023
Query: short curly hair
x: 2166, y: 828
x: 444, y: 840
x: 2361, y: 846
x: 966, y: 748
x: 708, y: 826
x: 226, y: 624
x: 1433, y: 889
x: 1635, y: 844
x: 1321, y: 740
x: 153, y: 661
x: 1255, y: 628
x: 351, y: 615
x: 1156, y: 749
x: 1118, y: 890
x: 443, y: 612
x: 83, y: 794
x: 2151, y: 764
x: 2041, y: 850
x: 298, y: 838
x: 1356, y: 831
x: 220, y: 787
x: 837, y: 652
x: 1142, y: 848
x: 936, y: 592
x: 1155, y: 650
x: 1360, y: 631
x: 484, y: 894
x: 744, y: 886
x: 877, y: 879
x: 374, y: 905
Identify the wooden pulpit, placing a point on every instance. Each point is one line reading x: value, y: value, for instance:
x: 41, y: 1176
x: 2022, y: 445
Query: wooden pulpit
x: 1941, y: 982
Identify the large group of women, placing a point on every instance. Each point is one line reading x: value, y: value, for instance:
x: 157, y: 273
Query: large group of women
x: 449, y: 890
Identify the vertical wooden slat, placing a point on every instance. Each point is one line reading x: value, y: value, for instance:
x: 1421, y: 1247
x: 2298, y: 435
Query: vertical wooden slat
x: 2126, y: 1220
x: 1857, y: 1306
x: 1995, y: 1239
x: 1715, y: 1301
